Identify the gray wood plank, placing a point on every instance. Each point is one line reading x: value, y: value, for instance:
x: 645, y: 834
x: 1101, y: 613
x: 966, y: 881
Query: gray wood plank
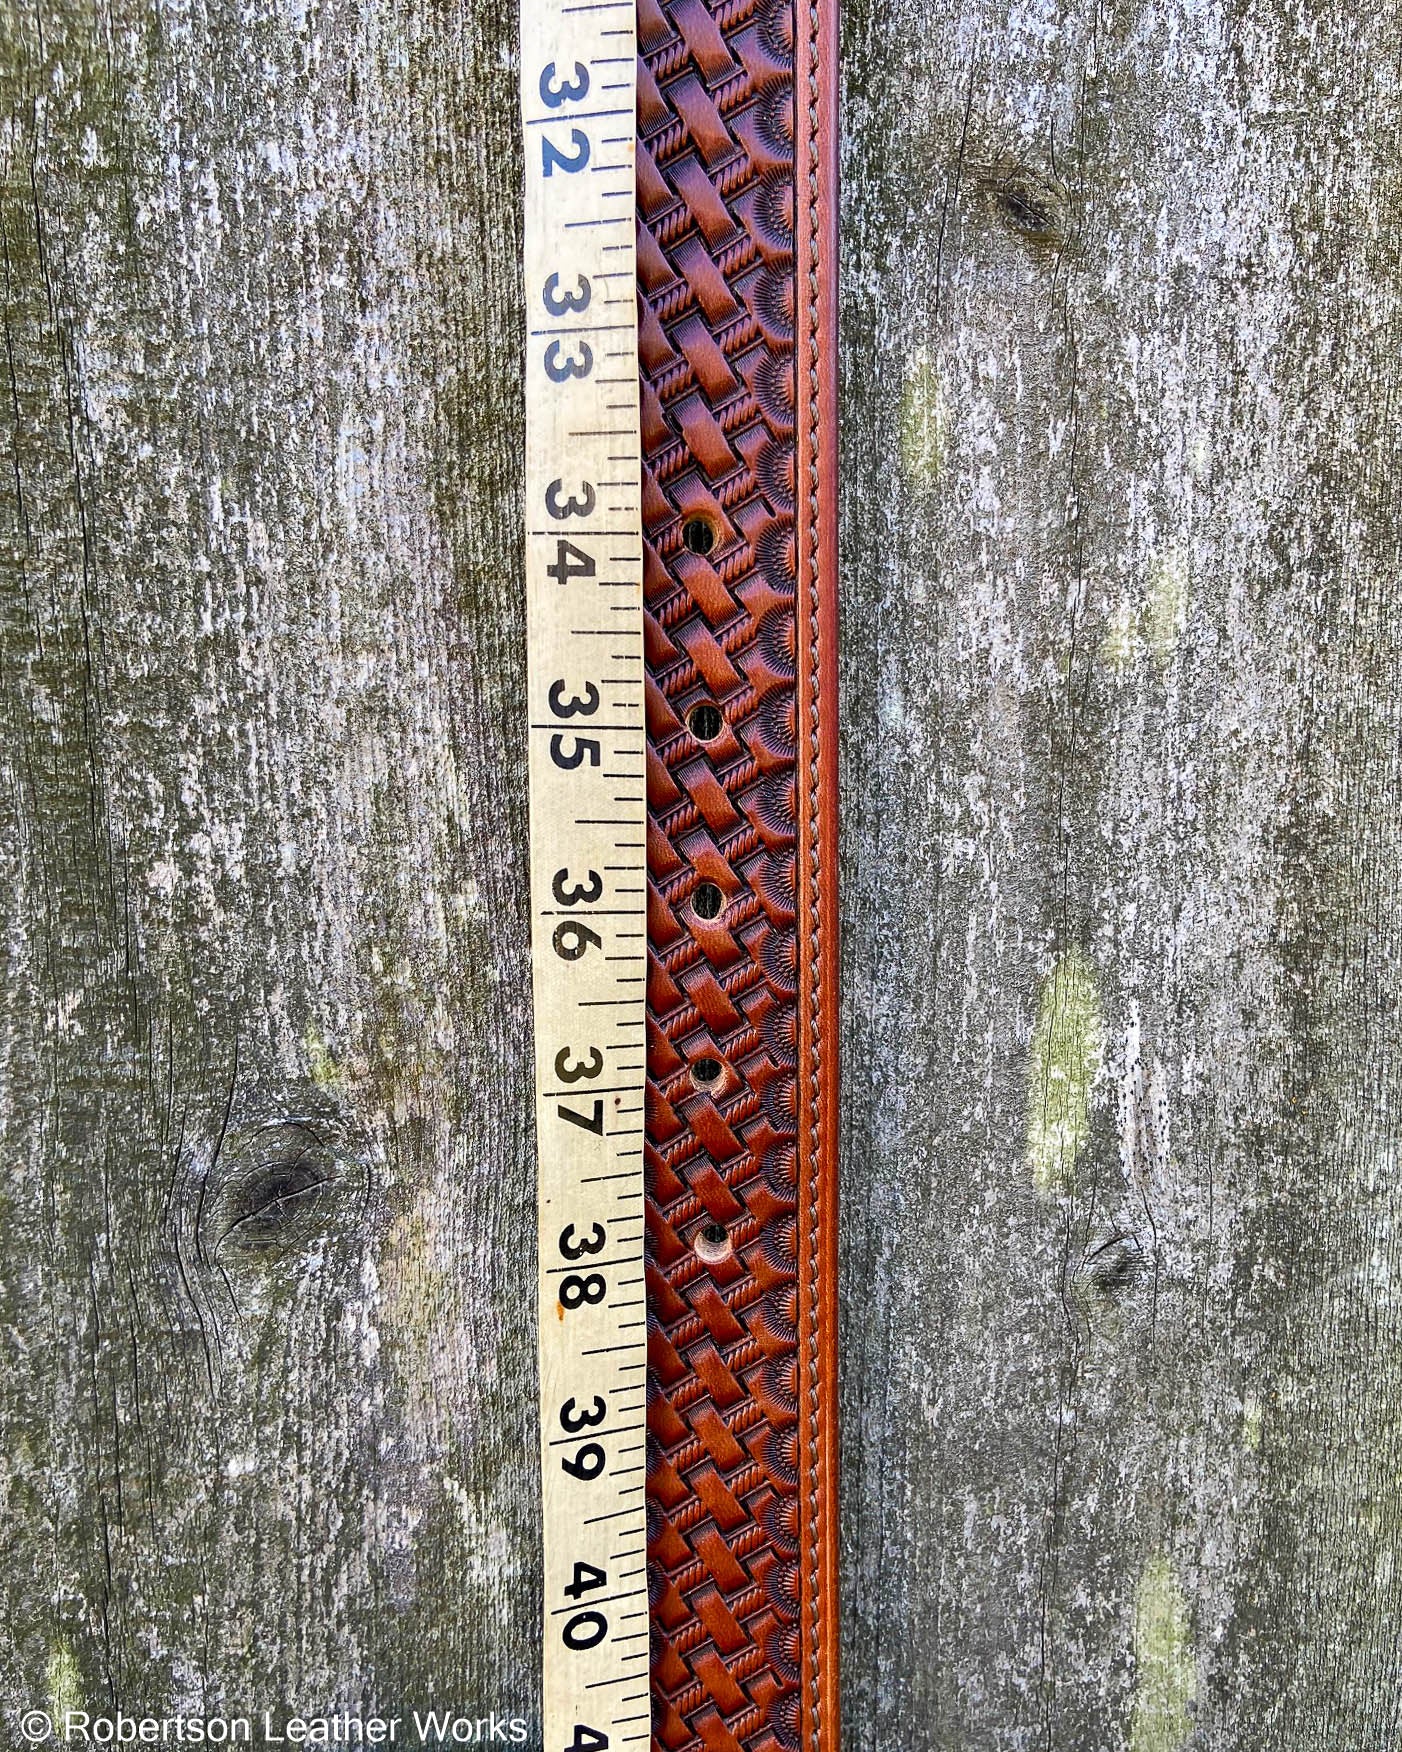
x: 1121, y: 641
x: 268, y: 1384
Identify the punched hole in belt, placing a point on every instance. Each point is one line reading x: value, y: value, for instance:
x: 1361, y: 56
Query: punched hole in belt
x: 712, y: 1244
x: 705, y: 722
x: 707, y: 900
x: 706, y: 1071
x: 698, y: 535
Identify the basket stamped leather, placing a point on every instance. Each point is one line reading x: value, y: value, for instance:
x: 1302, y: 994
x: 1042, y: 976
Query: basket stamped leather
x: 736, y: 266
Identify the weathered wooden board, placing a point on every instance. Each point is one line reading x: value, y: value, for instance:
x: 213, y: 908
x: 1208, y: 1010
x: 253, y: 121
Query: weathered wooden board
x: 1123, y: 1392
x: 1123, y: 1413
x: 268, y: 1372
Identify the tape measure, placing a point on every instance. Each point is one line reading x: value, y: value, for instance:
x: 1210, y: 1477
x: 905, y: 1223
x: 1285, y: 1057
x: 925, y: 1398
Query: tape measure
x: 588, y: 859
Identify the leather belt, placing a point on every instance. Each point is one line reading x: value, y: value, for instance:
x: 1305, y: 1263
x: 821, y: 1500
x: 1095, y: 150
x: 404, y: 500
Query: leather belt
x: 736, y: 266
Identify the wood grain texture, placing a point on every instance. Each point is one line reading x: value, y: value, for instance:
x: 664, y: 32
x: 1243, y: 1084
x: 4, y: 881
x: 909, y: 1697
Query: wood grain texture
x: 1122, y: 1395
x: 268, y: 1383
x: 1123, y: 1400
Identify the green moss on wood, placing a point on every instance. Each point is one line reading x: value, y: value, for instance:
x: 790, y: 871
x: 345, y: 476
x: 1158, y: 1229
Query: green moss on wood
x: 1151, y: 624
x: 1119, y: 644
x: 1067, y: 1049
x: 63, y: 1681
x: 924, y: 419
x: 1251, y: 1423
x: 1165, y: 1681
x: 326, y: 1073
x: 1166, y: 609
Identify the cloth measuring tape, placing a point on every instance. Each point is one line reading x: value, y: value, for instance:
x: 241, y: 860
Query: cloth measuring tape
x: 679, y: 273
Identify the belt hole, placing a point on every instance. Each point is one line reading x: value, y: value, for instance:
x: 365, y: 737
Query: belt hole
x: 698, y: 535
x: 705, y: 722
x: 707, y: 900
x: 706, y: 1071
x: 713, y: 1244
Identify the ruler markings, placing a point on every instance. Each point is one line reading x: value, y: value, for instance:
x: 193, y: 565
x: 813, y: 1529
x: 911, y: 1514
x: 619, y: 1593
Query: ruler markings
x: 592, y: 1349
x: 584, y: 115
x: 594, y: 1265
x: 585, y: 328
x: 595, y: 1600
x: 598, y: 1437
x: 569, y: 1095
x: 587, y: 912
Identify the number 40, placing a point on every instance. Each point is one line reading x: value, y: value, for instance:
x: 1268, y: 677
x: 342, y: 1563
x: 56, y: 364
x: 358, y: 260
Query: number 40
x: 587, y: 1740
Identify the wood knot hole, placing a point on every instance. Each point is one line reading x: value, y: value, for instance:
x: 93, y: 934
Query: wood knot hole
x: 1029, y: 202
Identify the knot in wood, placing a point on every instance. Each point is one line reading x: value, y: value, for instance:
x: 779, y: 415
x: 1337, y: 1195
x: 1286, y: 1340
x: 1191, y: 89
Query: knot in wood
x: 1029, y: 201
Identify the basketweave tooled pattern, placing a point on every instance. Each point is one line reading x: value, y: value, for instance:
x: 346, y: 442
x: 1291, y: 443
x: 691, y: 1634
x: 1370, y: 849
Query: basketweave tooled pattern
x: 717, y: 282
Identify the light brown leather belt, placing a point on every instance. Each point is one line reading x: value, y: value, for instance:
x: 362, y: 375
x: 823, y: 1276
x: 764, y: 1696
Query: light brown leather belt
x: 737, y: 271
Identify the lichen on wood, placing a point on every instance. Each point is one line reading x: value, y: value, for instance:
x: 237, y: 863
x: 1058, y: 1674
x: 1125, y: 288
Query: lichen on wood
x: 1121, y: 695
x: 267, y: 1383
